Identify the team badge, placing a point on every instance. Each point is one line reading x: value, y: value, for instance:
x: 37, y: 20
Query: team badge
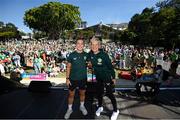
x: 99, y: 61
x: 85, y: 57
x: 74, y: 58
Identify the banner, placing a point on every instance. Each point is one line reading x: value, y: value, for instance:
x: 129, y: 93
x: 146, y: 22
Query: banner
x: 37, y: 77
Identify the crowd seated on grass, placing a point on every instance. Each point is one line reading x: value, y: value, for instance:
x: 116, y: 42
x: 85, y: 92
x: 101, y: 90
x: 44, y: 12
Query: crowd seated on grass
x: 49, y: 56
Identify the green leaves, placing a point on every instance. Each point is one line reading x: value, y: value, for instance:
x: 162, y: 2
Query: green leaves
x: 52, y: 18
x: 157, y: 28
x: 8, y: 30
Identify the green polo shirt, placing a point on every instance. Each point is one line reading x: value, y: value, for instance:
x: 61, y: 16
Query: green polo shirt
x: 2, y: 56
x: 102, y: 66
x: 78, y: 66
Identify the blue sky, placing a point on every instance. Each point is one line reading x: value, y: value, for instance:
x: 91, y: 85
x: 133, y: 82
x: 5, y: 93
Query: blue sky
x: 92, y: 11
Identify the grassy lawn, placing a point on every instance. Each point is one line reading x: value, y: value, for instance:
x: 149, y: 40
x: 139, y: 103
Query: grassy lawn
x: 60, y: 75
x: 30, y: 70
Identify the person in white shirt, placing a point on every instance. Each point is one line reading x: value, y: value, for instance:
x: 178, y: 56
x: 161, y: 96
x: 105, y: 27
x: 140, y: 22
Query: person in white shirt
x: 2, y: 70
x: 16, y: 59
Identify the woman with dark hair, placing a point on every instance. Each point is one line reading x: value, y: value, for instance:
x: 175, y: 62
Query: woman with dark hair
x: 76, y: 76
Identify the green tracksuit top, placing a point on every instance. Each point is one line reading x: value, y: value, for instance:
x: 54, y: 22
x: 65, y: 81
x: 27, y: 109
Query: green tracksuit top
x: 102, y: 66
x: 78, y: 66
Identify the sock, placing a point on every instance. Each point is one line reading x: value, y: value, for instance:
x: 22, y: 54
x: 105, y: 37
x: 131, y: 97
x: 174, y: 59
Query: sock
x: 70, y: 106
x: 82, y: 103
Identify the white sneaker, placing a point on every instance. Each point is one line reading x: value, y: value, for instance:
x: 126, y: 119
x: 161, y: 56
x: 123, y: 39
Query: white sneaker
x: 115, y: 115
x: 83, y: 110
x: 98, y: 111
x: 68, y: 113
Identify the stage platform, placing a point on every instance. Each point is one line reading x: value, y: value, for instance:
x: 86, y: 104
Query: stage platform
x: 22, y: 104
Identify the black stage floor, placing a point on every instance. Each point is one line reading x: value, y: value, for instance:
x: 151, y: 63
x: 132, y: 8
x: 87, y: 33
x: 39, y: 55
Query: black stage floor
x: 22, y: 104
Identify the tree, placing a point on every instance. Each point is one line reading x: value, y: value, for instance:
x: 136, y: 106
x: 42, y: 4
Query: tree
x: 52, y: 18
x: 1, y: 24
x: 158, y: 28
x: 168, y: 3
x: 38, y: 34
x: 140, y: 24
x: 8, y: 31
x: 128, y: 37
x: 168, y: 21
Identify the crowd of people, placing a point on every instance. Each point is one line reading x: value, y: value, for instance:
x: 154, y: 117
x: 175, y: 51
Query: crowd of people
x: 49, y: 56
x: 52, y: 57
x: 44, y: 56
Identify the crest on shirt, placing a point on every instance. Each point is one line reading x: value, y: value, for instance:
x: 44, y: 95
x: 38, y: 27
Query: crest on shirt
x: 99, y: 61
x: 74, y: 58
x: 85, y: 57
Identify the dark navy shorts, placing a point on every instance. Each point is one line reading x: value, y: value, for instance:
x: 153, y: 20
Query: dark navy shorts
x: 81, y: 84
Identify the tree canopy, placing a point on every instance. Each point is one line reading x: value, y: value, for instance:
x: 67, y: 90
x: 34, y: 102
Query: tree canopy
x: 52, y: 18
x: 8, y: 31
x: 158, y: 27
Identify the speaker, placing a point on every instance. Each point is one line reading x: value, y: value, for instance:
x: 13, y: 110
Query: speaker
x: 39, y: 86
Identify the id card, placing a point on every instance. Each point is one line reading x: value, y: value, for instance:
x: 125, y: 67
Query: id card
x: 91, y: 78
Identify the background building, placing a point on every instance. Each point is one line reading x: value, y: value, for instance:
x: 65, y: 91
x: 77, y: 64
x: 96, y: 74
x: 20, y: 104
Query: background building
x: 121, y: 26
x: 82, y: 25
